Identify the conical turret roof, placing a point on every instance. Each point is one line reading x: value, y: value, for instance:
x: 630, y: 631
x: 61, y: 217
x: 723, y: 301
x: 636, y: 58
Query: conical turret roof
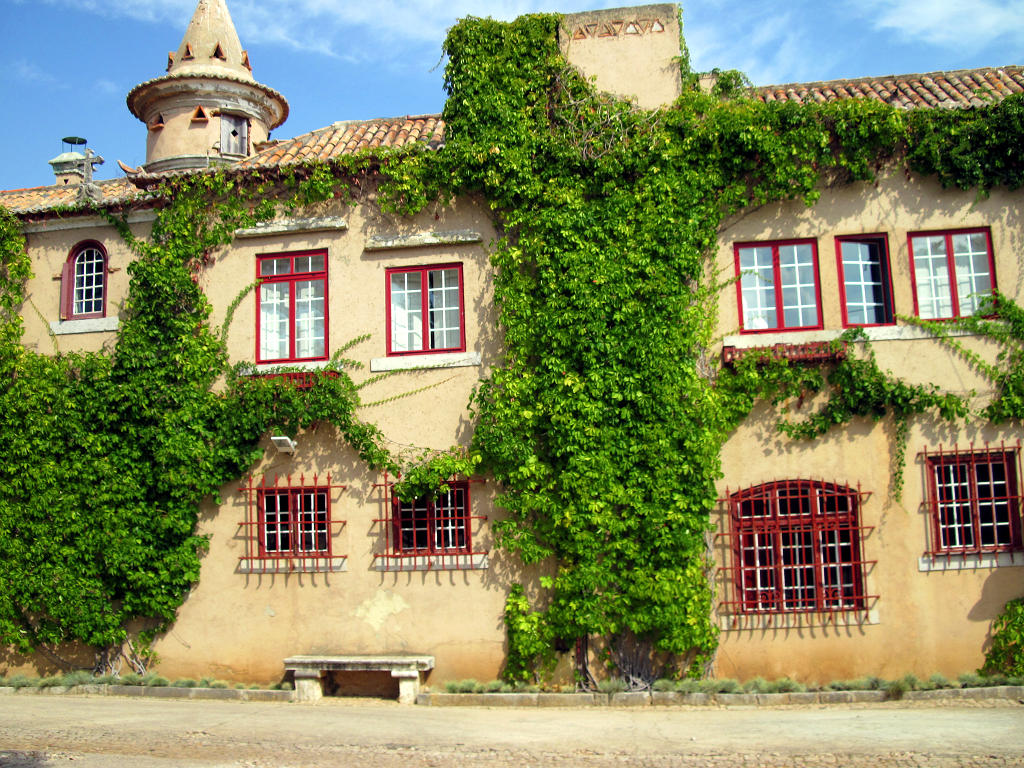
x: 211, y: 46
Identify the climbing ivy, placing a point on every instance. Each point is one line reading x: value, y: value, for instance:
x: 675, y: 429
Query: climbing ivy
x: 606, y: 421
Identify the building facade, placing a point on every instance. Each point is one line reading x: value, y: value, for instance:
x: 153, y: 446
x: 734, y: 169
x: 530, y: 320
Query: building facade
x: 824, y: 574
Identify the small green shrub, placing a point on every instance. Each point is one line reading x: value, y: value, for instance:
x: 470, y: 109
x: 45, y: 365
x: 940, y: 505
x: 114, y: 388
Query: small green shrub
x: 285, y: 686
x: 494, y: 686
x: 971, y: 680
x: 786, y: 685
x: 255, y: 687
x: 612, y: 685
x: 204, y: 682
x: 1005, y: 654
x: 22, y: 681
x: 896, y: 689
x: 184, y: 682
x: 688, y: 685
x: 757, y: 685
x: 130, y: 679
x: 51, y: 681
x: 938, y: 681
x: 155, y: 681
x: 218, y: 684
x: 78, y: 677
x: 663, y: 685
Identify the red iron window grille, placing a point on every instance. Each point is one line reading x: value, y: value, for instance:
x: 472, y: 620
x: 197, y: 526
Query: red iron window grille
x: 813, y: 352
x: 425, y: 310
x: 973, y: 500
x: 436, y: 532
x: 953, y: 273
x: 778, y: 286
x: 289, y: 527
x: 292, y: 315
x: 84, y: 283
x: 300, y: 379
x: 796, y: 546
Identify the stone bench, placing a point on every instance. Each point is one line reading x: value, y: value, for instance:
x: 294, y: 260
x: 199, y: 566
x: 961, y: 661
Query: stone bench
x: 309, y: 672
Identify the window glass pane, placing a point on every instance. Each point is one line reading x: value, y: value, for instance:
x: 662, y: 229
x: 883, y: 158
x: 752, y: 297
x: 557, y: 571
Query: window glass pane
x: 973, y: 275
x: 274, y: 308
x: 406, y: 294
x: 309, y: 318
x: 931, y: 273
x: 270, y: 267
x: 445, y: 332
x: 757, y: 287
x: 799, y: 292
x: 309, y: 263
x: 865, y: 283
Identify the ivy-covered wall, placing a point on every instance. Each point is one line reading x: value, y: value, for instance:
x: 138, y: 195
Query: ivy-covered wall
x: 603, y: 427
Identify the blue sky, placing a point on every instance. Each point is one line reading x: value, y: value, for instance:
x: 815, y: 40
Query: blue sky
x: 67, y: 65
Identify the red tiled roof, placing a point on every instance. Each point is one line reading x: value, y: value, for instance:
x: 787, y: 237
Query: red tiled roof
x: 962, y: 88
x: 942, y: 90
x: 346, y: 138
x: 41, y: 199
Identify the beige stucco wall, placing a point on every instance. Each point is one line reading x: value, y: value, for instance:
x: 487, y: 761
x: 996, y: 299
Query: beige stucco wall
x: 630, y: 52
x: 181, y: 135
x: 922, y: 621
x: 240, y: 626
x: 49, y: 245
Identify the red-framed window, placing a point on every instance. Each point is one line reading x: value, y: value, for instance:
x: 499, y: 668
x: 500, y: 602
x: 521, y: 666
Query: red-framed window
x: 292, y: 315
x: 434, y: 531
x: 865, y: 281
x: 84, y: 282
x: 973, y: 500
x: 290, y: 525
x: 429, y: 525
x: 796, y: 547
x: 425, y: 309
x: 778, y: 287
x: 953, y: 272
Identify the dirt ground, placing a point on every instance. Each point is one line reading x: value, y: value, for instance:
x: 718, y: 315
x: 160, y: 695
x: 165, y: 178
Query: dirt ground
x: 110, y: 732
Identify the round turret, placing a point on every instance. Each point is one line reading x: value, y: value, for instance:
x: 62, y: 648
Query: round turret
x: 208, y: 108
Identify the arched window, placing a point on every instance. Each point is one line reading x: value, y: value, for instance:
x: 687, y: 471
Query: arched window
x: 84, y: 283
x: 796, y: 547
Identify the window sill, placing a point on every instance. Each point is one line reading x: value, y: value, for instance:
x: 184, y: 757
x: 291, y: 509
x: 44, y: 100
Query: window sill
x: 287, y: 565
x: 970, y: 562
x: 92, y: 325
x: 398, y: 563
x: 760, y: 621
x: 415, y: 362
x: 874, y: 333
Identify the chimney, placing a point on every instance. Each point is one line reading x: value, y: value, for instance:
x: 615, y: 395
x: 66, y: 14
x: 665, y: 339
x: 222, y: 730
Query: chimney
x: 72, y: 167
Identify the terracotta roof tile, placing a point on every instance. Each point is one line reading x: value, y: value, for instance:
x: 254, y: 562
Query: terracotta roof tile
x: 962, y: 88
x: 346, y: 138
x: 43, y: 199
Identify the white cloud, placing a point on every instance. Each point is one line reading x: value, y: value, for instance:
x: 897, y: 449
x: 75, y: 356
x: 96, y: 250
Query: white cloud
x: 27, y: 72
x: 970, y: 25
x: 768, y: 44
x: 342, y: 28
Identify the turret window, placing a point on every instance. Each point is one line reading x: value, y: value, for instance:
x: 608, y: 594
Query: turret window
x: 234, y: 135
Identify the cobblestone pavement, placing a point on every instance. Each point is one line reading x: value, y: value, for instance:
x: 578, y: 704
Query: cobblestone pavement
x: 41, y: 732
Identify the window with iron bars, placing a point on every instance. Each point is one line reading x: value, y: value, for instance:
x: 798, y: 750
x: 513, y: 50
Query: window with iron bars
x: 430, y: 531
x: 796, y: 547
x: 973, y: 500
x: 289, y: 526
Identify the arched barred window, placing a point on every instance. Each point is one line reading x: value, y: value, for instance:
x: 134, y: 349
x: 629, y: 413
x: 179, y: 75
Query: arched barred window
x: 84, y: 282
x: 796, y: 547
